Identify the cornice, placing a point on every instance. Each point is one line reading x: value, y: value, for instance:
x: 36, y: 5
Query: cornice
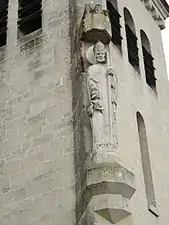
x: 165, y: 4
x: 159, y: 9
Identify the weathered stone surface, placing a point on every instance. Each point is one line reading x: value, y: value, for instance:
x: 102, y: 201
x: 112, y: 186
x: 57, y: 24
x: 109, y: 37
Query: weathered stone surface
x: 48, y: 166
x: 112, y: 179
x: 37, y: 185
x: 111, y: 207
x: 96, y: 25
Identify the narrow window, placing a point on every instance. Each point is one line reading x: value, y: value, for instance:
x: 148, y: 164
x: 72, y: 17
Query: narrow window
x: 114, y: 17
x: 131, y: 40
x: 152, y: 206
x: 3, y: 21
x: 30, y: 16
x: 148, y: 61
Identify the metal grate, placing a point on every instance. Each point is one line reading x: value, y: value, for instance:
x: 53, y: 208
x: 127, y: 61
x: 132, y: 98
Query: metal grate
x: 115, y: 24
x: 30, y: 16
x: 149, y: 68
x: 3, y: 21
x: 132, y: 46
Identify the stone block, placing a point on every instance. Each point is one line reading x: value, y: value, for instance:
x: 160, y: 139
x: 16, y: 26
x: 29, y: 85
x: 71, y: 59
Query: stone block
x: 42, y: 139
x: 111, y: 179
x: 96, y: 25
x: 14, y: 196
x: 40, y: 187
x: 64, y: 178
x: 112, y: 207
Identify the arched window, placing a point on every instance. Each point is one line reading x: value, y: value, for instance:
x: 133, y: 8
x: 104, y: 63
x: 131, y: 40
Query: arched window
x: 145, y: 158
x: 3, y: 21
x: 30, y: 16
x: 115, y: 22
x: 148, y: 60
x: 131, y: 39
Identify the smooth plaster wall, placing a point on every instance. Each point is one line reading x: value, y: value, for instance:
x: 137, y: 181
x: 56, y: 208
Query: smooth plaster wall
x: 135, y: 95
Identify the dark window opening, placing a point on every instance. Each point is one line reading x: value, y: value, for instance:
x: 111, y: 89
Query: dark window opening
x: 132, y: 47
x: 3, y: 21
x: 115, y: 23
x: 30, y: 16
x: 149, y: 68
x: 145, y: 159
x: 131, y: 40
x: 148, y: 61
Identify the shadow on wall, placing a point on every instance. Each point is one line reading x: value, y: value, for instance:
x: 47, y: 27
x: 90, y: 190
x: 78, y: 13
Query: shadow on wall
x: 165, y: 37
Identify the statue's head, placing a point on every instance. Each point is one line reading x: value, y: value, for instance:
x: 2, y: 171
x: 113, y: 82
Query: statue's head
x: 100, y: 53
x: 98, y: 8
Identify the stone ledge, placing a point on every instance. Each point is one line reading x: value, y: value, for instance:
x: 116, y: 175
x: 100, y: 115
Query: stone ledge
x: 153, y: 209
x: 111, y: 179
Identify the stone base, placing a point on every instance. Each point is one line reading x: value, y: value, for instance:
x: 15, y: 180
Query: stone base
x: 107, y: 187
x: 102, y: 154
x: 112, y: 208
x: 112, y: 179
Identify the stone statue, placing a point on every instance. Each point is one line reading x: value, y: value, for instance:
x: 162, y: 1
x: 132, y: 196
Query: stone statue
x: 102, y: 88
x: 114, y: 96
x: 96, y: 82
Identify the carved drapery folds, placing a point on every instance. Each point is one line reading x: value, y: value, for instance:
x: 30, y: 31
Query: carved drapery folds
x: 102, y: 82
x: 113, y: 105
x: 96, y: 82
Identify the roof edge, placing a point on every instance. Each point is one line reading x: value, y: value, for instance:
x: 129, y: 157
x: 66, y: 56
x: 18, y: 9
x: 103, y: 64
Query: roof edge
x: 165, y: 4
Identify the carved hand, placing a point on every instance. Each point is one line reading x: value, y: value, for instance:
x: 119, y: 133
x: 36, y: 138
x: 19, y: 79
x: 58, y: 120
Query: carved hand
x: 98, y: 106
x: 110, y: 72
x: 90, y: 110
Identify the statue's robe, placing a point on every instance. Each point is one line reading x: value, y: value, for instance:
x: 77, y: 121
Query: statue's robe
x: 97, y: 79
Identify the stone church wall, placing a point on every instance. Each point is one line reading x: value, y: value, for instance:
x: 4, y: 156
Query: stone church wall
x: 36, y: 129
x: 46, y: 171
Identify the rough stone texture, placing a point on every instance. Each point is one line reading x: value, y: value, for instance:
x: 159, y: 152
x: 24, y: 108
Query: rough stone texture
x: 45, y: 133
x: 37, y: 178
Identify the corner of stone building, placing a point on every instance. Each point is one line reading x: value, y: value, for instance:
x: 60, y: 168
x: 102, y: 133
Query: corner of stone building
x: 36, y: 132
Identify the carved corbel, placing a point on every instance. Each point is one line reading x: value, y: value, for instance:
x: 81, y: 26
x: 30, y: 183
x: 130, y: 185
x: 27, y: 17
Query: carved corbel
x: 148, y: 4
x: 161, y: 23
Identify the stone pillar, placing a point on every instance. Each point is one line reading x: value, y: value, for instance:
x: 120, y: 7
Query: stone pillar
x: 106, y: 185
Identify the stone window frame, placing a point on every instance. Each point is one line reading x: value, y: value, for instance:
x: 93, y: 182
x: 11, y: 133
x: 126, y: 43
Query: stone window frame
x: 3, y: 22
x: 132, y: 46
x: 146, y: 165
x: 148, y: 60
x: 29, y: 13
x: 114, y: 16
